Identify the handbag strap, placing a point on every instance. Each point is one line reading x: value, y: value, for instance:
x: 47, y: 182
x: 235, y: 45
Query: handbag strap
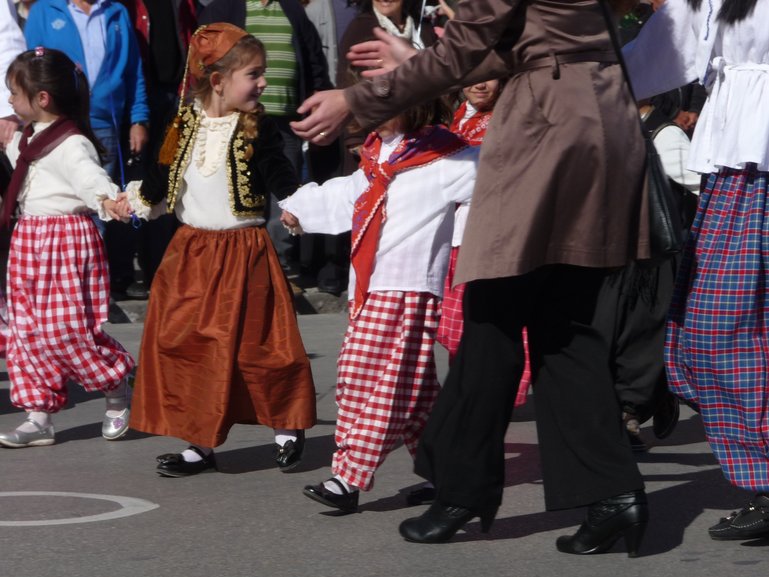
x: 618, y: 49
x: 615, y: 41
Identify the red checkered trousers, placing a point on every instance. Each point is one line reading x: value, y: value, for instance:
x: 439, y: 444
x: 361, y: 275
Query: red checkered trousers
x: 386, y: 381
x: 58, y: 298
x: 4, y: 330
x: 452, y: 324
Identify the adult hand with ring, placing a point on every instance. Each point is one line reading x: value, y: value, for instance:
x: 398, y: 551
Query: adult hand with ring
x: 382, y: 55
x: 328, y: 112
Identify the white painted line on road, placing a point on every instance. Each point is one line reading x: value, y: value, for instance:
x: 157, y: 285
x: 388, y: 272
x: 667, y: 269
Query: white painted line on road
x: 128, y: 506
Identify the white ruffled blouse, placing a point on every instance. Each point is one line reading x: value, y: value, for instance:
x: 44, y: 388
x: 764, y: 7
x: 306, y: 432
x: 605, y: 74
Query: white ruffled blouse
x: 204, y: 196
x: 679, y: 45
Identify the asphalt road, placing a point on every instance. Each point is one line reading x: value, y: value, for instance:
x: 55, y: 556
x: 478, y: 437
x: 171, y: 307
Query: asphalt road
x: 85, y: 507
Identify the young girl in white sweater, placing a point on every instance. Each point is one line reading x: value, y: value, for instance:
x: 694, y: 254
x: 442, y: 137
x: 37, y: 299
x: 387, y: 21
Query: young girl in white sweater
x: 58, y: 284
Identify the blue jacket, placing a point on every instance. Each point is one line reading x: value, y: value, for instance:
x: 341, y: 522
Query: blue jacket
x: 119, y: 87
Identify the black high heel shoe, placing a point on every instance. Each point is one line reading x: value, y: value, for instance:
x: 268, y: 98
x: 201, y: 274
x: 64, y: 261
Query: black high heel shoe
x: 440, y: 522
x: 623, y: 515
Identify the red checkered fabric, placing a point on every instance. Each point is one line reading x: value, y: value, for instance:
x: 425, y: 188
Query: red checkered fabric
x: 4, y: 330
x: 452, y: 324
x: 386, y: 381
x: 58, y: 296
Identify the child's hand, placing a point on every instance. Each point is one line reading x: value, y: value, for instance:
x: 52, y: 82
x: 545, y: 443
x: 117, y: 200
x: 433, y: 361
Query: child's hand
x: 118, y: 209
x: 291, y: 223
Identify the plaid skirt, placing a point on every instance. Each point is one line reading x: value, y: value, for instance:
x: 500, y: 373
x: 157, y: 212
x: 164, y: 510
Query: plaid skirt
x: 386, y: 381
x: 58, y: 299
x: 718, y: 328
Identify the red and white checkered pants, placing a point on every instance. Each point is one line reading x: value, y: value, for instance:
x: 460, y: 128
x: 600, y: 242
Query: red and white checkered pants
x: 4, y: 330
x: 386, y: 381
x: 452, y: 324
x: 58, y: 297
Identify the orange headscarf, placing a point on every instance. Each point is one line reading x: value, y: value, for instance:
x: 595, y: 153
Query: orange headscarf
x: 210, y: 43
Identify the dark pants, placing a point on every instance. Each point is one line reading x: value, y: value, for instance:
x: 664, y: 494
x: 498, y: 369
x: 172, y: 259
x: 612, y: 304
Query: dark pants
x: 585, y: 452
x: 150, y: 240
x: 283, y: 242
x: 636, y: 303
x: 326, y: 255
x: 642, y: 294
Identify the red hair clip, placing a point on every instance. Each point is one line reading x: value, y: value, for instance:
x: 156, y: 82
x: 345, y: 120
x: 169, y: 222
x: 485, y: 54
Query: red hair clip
x: 39, y: 51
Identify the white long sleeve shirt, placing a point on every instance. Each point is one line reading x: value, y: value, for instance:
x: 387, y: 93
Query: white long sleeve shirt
x: 673, y: 147
x: 679, y: 45
x: 415, y: 238
x: 68, y: 180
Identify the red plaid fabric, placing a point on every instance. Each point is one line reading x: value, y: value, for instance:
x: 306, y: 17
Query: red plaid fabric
x: 4, y: 330
x: 386, y: 381
x: 58, y: 296
x: 452, y: 324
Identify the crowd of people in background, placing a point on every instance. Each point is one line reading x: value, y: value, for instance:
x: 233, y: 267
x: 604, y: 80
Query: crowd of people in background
x: 471, y: 172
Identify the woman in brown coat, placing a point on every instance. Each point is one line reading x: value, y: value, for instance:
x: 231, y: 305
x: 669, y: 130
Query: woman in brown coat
x: 558, y: 207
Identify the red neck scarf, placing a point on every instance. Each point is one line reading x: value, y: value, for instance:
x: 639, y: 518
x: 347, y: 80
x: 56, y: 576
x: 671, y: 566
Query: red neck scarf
x: 474, y: 129
x: 43, y: 143
x: 416, y: 149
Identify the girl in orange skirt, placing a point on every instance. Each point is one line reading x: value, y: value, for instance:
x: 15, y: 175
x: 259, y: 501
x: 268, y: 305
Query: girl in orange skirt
x: 221, y: 344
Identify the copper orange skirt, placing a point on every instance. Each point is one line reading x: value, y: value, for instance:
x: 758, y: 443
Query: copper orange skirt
x: 221, y: 345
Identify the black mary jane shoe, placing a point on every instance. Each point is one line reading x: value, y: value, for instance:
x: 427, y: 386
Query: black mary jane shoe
x: 623, y: 515
x: 440, y: 523
x: 347, y: 502
x: 421, y: 496
x: 751, y: 522
x: 289, y: 455
x: 174, y: 465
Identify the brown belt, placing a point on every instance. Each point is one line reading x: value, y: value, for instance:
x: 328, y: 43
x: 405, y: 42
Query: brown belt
x: 554, y: 60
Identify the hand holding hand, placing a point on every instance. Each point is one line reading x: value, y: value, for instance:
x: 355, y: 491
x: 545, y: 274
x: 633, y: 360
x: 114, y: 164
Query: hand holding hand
x: 118, y: 209
x: 291, y: 223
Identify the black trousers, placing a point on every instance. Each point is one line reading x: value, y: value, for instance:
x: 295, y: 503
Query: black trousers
x: 642, y: 294
x: 585, y: 452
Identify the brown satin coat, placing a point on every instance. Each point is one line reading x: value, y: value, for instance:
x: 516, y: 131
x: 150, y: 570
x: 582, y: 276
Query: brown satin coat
x: 560, y: 179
